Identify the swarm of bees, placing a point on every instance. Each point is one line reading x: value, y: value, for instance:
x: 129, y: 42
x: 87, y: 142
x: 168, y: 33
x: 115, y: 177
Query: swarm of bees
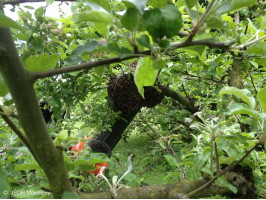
x: 125, y: 96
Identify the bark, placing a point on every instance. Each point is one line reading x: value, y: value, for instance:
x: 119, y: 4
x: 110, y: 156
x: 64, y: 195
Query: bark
x: 170, y: 191
x: 20, y: 85
x: 235, y: 74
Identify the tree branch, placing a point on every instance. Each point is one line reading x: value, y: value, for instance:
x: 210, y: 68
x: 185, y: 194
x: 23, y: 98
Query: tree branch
x: 19, y: 133
x: 170, y: 191
x: 91, y: 64
x: 15, y: 2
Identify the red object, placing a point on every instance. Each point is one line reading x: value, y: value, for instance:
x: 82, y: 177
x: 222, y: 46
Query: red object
x: 98, y: 166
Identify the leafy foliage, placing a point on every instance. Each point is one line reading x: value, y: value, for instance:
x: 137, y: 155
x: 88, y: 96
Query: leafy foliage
x: 170, y: 143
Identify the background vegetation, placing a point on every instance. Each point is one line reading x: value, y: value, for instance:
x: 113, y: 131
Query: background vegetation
x: 208, y: 133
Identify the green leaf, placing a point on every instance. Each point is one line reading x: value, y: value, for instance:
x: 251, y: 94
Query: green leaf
x: 5, y: 188
x: 173, y: 20
x: 26, y: 167
x: 215, y: 22
x: 144, y: 40
x: 86, y: 48
x: 6, y: 22
x: 94, y: 16
x: 49, y: 2
x: 94, y: 158
x: 122, y: 51
x: 132, y: 20
x: 145, y: 74
x: 158, y: 63
x: 263, y: 23
x: 70, y: 195
x: 198, y: 50
x: 241, y: 108
x: 238, y: 4
x: 258, y: 48
x: 99, y: 70
x: 105, y: 4
x: 157, y: 3
x: 139, y: 4
x: 262, y: 99
x: 171, y: 160
x: 3, y: 87
x: 163, y: 22
x: 41, y: 62
x: 39, y: 13
x: 224, y: 183
x: 24, y: 34
x: 66, y: 21
x: 162, y: 144
x: 190, y: 3
x: 243, y: 94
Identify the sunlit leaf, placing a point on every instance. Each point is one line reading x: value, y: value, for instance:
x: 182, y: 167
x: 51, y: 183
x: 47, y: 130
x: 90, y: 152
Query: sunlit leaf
x: 262, y: 98
x: 171, y: 160
x: 132, y: 20
x: 94, y: 158
x: 139, y: 4
x: 244, y: 94
x: 6, y: 22
x: 238, y: 4
x: 103, y: 3
x: 258, y: 48
x: 190, y: 3
x: 157, y: 3
x: 41, y: 62
x: 94, y: 16
x: 241, y: 108
x: 145, y: 74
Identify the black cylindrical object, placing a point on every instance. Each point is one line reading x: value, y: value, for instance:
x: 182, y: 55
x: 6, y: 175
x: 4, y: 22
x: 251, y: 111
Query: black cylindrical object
x: 106, y: 141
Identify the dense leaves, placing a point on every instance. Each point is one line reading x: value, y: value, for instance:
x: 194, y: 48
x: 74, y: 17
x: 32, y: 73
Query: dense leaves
x: 148, y: 38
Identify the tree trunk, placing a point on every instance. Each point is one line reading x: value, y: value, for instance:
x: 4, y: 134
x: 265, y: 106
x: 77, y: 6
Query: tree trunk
x: 20, y: 85
x: 235, y: 74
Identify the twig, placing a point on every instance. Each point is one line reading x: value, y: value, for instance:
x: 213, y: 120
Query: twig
x: 175, y: 129
x: 19, y: 133
x: 202, y: 19
x: 217, y: 158
x: 137, y: 164
x: 185, y: 91
x: 153, y: 162
x: 226, y: 170
x: 149, y: 126
x: 91, y: 64
x: 251, y: 78
x: 247, y: 44
x: 178, y: 160
x: 120, y: 164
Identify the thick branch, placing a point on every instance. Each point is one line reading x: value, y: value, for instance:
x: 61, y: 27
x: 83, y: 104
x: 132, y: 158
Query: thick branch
x: 181, y: 99
x: 20, y: 85
x: 89, y: 65
x: 170, y: 191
